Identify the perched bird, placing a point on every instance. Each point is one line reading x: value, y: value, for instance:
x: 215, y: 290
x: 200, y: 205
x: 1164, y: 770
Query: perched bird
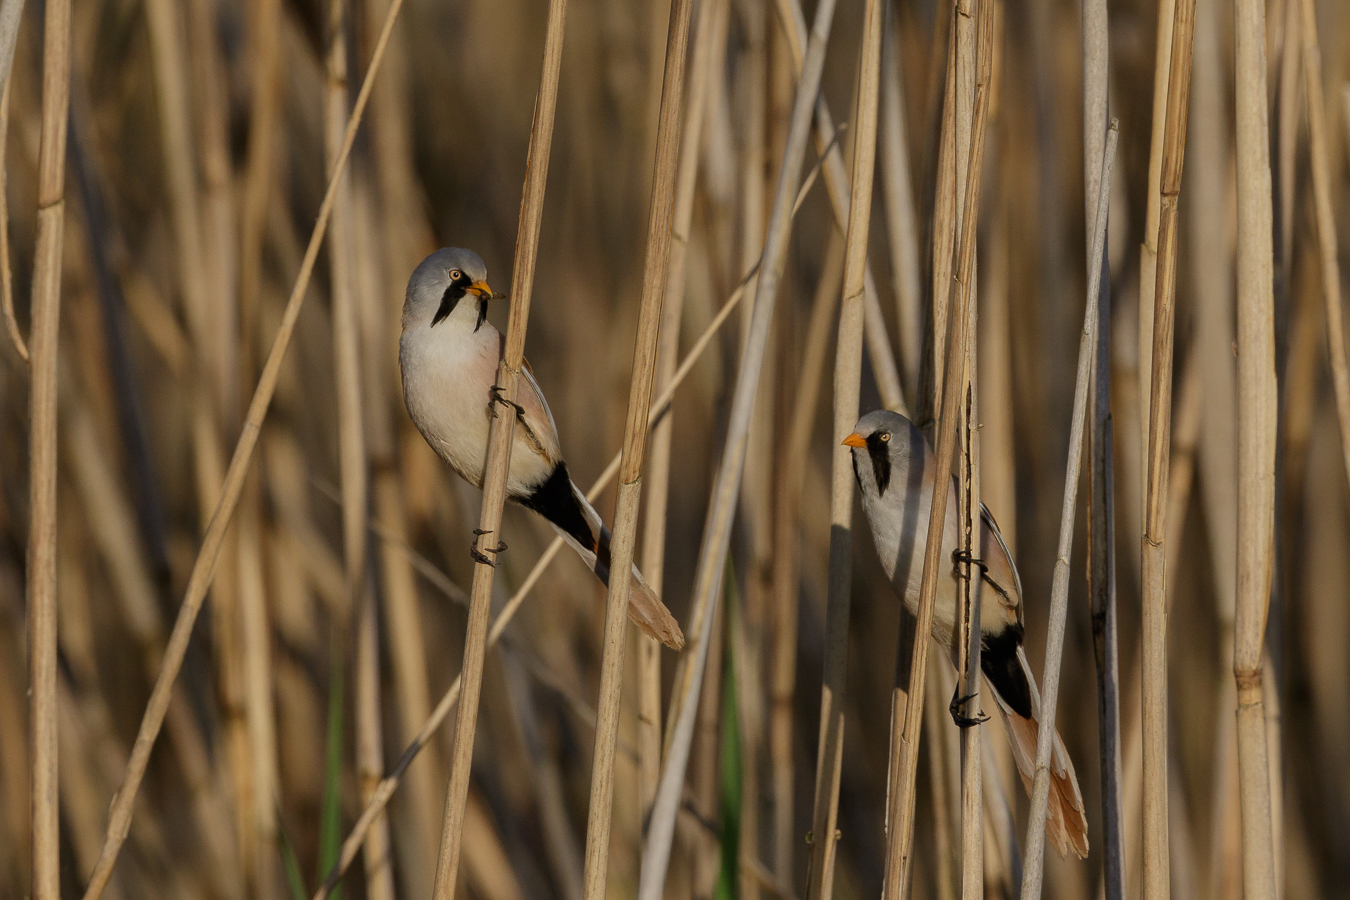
x: 449, y: 354
x: 896, y: 470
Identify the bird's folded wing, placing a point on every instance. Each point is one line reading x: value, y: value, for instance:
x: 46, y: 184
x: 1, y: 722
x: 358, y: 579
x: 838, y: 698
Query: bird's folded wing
x: 1000, y: 571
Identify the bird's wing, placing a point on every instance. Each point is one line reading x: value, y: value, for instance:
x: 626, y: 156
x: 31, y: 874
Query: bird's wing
x: 536, y: 419
x: 1001, y: 572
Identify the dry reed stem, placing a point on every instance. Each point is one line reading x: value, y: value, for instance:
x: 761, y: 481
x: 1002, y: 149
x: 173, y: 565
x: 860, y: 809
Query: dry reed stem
x: 1154, y: 693
x: 265, y: 27
x: 787, y: 550
x: 717, y: 531
x: 712, y: 25
x: 900, y: 815
x: 1101, y: 501
x: 1148, y: 252
x: 6, y: 272
x: 11, y: 14
x: 968, y: 615
x: 1257, y: 417
x: 944, y: 239
x: 204, y: 565
x: 384, y: 790
x: 902, y: 227
x: 1059, y: 597
x: 500, y: 439
x: 42, y: 456
x: 847, y: 386
x: 1326, y: 221
x: 654, y: 280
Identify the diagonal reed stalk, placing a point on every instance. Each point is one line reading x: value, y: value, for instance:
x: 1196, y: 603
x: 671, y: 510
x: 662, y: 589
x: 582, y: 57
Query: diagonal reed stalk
x: 847, y: 386
x: 1154, y: 661
x: 900, y: 815
x: 711, y: 27
x: 498, y: 461
x: 726, y: 486
x: 119, y: 818
x: 1059, y: 596
x: 379, y: 797
x: 654, y: 280
x: 1101, y: 498
x: 1257, y: 418
x: 1326, y: 220
x: 42, y: 456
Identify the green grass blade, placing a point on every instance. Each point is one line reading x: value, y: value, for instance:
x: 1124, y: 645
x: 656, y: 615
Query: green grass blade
x: 330, y: 822
x: 295, y: 880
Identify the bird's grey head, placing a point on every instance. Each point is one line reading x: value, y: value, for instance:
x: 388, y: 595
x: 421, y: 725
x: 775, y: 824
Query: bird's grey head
x: 441, y: 281
x: 883, y: 442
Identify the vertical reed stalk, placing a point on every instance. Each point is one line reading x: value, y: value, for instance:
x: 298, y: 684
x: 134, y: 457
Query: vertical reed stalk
x: 265, y: 27
x: 500, y: 439
x: 1257, y: 417
x: 902, y: 227
x: 711, y: 27
x: 6, y: 271
x: 203, y: 568
x: 654, y: 280
x: 1059, y: 597
x: 726, y: 485
x: 847, y: 384
x: 1148, y: 252
x: 1326, y: 221
x: 900, y: 815
x: 968, y: 615
x: 1154, y: 664
x: 42, y: 453
x: 1101, y: 499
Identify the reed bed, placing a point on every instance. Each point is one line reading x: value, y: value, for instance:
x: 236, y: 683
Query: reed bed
x: 218, y: 522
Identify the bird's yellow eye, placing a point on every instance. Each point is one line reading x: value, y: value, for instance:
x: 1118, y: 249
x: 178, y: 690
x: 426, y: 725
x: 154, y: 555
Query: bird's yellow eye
x: 456, y: 274
x: 885, y: 436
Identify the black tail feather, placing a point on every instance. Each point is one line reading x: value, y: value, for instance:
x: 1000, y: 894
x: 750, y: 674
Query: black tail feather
x: 998, y: 660
x: 556, y: 500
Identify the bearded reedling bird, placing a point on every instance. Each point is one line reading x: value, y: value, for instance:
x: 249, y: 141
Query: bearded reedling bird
x: 896, y: 470
x: 449, y: 355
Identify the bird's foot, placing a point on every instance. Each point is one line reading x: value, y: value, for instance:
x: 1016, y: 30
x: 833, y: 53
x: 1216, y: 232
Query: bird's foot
x: 481, y: 555
x: 961, y: 719
x: 967, y: 558
x: 496, y: 392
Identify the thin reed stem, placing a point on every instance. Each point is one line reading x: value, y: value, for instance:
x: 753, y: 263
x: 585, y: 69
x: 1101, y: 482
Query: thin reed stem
x: 1154, y: 664
x: 900, y: 815
x: 203, y: 568
x: 654, y: 280
x: 847, y: 386
x: 500, y: 439
x: 6, y: 272
x: 42, y: 457
x: 1059, y: 597
x: 1258, y: 424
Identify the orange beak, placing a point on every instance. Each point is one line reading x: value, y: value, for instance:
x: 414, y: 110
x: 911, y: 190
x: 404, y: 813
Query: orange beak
x: 855, y: 440
x: 480, y: 289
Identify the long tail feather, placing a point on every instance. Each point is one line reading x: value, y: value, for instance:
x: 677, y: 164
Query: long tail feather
x: 644, y: 606
x: 1066, y: 821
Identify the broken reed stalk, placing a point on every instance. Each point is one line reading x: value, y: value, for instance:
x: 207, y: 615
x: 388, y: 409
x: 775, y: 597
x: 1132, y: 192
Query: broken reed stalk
x: 42, y: 456
x: 712, y: 25
x: 968, y: 615
x: 1326, y: 221
x: 726, y: 486
x: 379, y: 797
x: 119, y: 817
x: 1101, y: 497
x: 1148, y: 252
x: 1034, y: 858
x: 900, y: 815
x: 1154, y: 660
x: 847, y: 387
x: 634, y: 444
x: 500, y: 439
x: 1258, y: 426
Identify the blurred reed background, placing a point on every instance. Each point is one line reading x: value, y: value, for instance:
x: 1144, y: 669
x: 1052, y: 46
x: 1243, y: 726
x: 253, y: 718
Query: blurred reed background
x: 201, y: 135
